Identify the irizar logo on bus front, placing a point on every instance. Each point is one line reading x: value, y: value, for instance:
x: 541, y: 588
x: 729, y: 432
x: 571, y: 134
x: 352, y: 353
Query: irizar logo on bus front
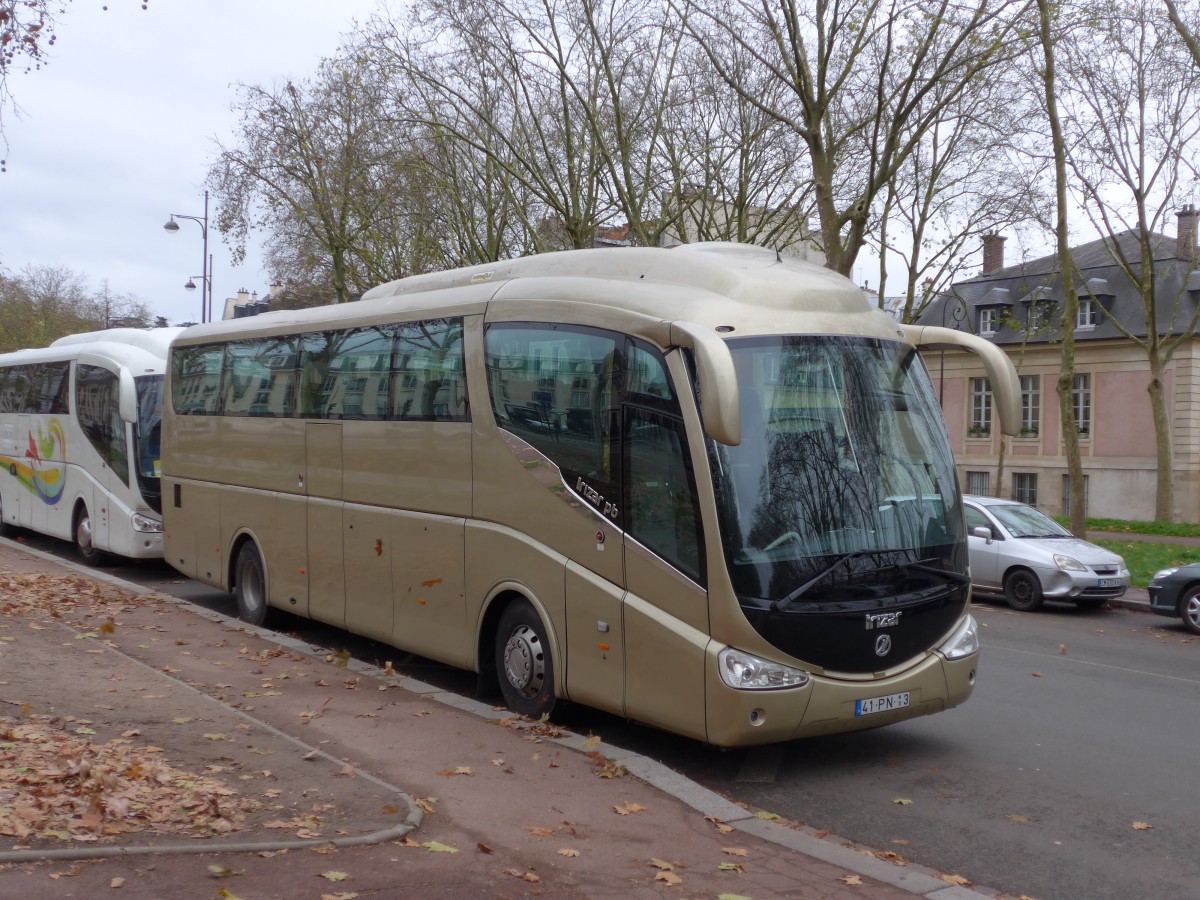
x: 882, y: 620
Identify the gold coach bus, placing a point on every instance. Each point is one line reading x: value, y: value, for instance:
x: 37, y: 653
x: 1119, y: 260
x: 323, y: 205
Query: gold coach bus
x: 705, y: 488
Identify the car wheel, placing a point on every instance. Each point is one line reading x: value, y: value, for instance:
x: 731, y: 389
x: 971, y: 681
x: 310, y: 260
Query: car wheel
x: 1022, y: 590
x: 250, y: 585
x: 83, y: 539
x: 523, y: 662
x: 1189, y: 609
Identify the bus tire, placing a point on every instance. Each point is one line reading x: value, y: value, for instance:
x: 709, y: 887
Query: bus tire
x: 1022, y: 590
x: 6, y: 530
x: 524, y: 664
x: 82, y: 531
x: 250, y: 585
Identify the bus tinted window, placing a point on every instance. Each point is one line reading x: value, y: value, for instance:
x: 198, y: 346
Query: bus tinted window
x: 96, y: 407
x: 52, y: 389
x: 428, y: 382
x: 196, y: 379
x: 260, y: 377
x: 347, y: 374
x: 554, y: 387
x: 13, y: 384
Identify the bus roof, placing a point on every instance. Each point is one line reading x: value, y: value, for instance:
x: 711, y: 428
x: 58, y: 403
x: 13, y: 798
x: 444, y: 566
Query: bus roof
x: 734, y: 288
x: 141, y: 350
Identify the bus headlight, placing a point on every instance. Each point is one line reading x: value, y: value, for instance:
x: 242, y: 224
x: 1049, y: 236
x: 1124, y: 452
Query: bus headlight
x: 749, y: 673
x: 145, y: 523
x: 964, y: 641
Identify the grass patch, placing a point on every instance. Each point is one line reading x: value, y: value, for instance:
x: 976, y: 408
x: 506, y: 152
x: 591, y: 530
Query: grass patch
x: 1130, y: 526
x: 1144, y: 558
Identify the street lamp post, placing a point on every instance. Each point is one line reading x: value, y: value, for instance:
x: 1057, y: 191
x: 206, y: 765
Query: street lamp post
x: 205, y: 261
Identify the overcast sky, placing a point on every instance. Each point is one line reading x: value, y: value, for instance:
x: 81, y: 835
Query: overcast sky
x: 118, y: 131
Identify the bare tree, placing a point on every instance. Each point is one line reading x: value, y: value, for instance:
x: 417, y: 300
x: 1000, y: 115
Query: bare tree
x: 313, y: 162
x: 1133, y: 132
x: 865, y: 82
x: 40, y: 304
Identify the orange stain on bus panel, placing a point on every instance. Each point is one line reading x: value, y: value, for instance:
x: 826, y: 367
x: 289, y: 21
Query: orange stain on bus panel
x: 433, y: 582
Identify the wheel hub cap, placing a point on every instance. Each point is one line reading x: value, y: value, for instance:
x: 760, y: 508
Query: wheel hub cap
x: 524, y: 663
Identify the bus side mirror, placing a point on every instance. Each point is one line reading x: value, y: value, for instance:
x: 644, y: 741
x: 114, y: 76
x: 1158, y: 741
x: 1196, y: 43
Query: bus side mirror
x: 718, y: 381
x: 127, y: 405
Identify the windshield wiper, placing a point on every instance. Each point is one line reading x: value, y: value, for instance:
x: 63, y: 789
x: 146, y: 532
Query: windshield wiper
x: 784, y: 602
x: 945, y: 573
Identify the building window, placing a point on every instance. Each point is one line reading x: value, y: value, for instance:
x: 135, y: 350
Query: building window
x: 988, y: 320
x: 1081, y: 401
x: 1087, y: 316
x: 981, y: 408
x: 977, y: 483
x: 1039, y: 315
x: 1031, y: 405
x: 1066, y: 495
x: 1024, y: 487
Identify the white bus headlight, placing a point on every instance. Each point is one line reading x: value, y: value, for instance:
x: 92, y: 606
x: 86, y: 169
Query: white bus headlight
x: 964, y: 641
x: 749, y: 673
x: 145, y: 523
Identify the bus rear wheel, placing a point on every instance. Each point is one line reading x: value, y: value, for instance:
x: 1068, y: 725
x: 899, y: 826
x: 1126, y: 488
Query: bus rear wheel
x: 250, y: 585
x: 523, y: 662
x: 87, y: 550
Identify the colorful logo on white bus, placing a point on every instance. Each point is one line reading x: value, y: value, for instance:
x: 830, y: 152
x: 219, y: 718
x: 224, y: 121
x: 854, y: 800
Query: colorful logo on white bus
x: 43, y: 470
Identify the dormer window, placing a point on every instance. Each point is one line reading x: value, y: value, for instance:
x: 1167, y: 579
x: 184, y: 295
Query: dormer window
x: 1088, y: 315
x: 989, y: 320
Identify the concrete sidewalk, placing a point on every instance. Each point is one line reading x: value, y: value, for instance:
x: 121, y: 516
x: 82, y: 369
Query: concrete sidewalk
x: 179, y: 753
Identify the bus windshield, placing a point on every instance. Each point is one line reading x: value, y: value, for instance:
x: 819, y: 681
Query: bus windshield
x: 843, y: 470
x: 148, y: 438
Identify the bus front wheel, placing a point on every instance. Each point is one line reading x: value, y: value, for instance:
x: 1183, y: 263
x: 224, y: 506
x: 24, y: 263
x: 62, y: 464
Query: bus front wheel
x: 250, y: 585
x: 523, y: 662
x: 87, y: 550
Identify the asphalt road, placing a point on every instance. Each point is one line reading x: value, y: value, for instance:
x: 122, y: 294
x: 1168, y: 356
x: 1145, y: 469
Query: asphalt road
x: 1083, y: 723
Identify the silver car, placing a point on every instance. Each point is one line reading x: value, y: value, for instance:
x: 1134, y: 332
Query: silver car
x: 1025, y: 555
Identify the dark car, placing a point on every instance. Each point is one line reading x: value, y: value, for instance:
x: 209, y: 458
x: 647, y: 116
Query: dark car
x: 1176, y: 592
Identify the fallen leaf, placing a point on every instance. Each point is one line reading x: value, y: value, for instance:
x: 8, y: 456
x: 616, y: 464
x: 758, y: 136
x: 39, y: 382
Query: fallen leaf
x: 1037, y: 674
x: 484, y: 848
x: 436, y: 847
x: 541, y: 830
x: 219, y: 871
x: 426, y: 804
x: 627, y: 808
x: 661, y: 864
x: 901, y: 801
x: 851, y: 879
x: 1142, y: 826
x: 731, y: 867
x: 1020, y: 820
x: 668, y: 878
x: 227, y: 895
x: 769, y: 816
x: 116, y: 883
x: 591, y: 743
x: 1062, y: 648
x: 567, y: 851
x: 524, y: 876
x: 735, y: 851
x: 956, y: 879
x: 109, y: 626
x: 334, y: 876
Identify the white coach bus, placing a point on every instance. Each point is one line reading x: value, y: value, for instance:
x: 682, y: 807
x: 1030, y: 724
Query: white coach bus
x: 704, y: 488
x: 80, y: 427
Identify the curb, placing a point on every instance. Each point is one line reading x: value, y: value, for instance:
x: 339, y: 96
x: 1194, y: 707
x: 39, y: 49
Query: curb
x: 918, y: 880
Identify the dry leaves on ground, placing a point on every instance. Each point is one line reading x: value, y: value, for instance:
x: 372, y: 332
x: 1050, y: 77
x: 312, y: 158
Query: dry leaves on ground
x: 59, y: 786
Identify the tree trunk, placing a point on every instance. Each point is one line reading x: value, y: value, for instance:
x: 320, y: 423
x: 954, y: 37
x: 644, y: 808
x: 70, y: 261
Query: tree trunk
x: 1165, y: 489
